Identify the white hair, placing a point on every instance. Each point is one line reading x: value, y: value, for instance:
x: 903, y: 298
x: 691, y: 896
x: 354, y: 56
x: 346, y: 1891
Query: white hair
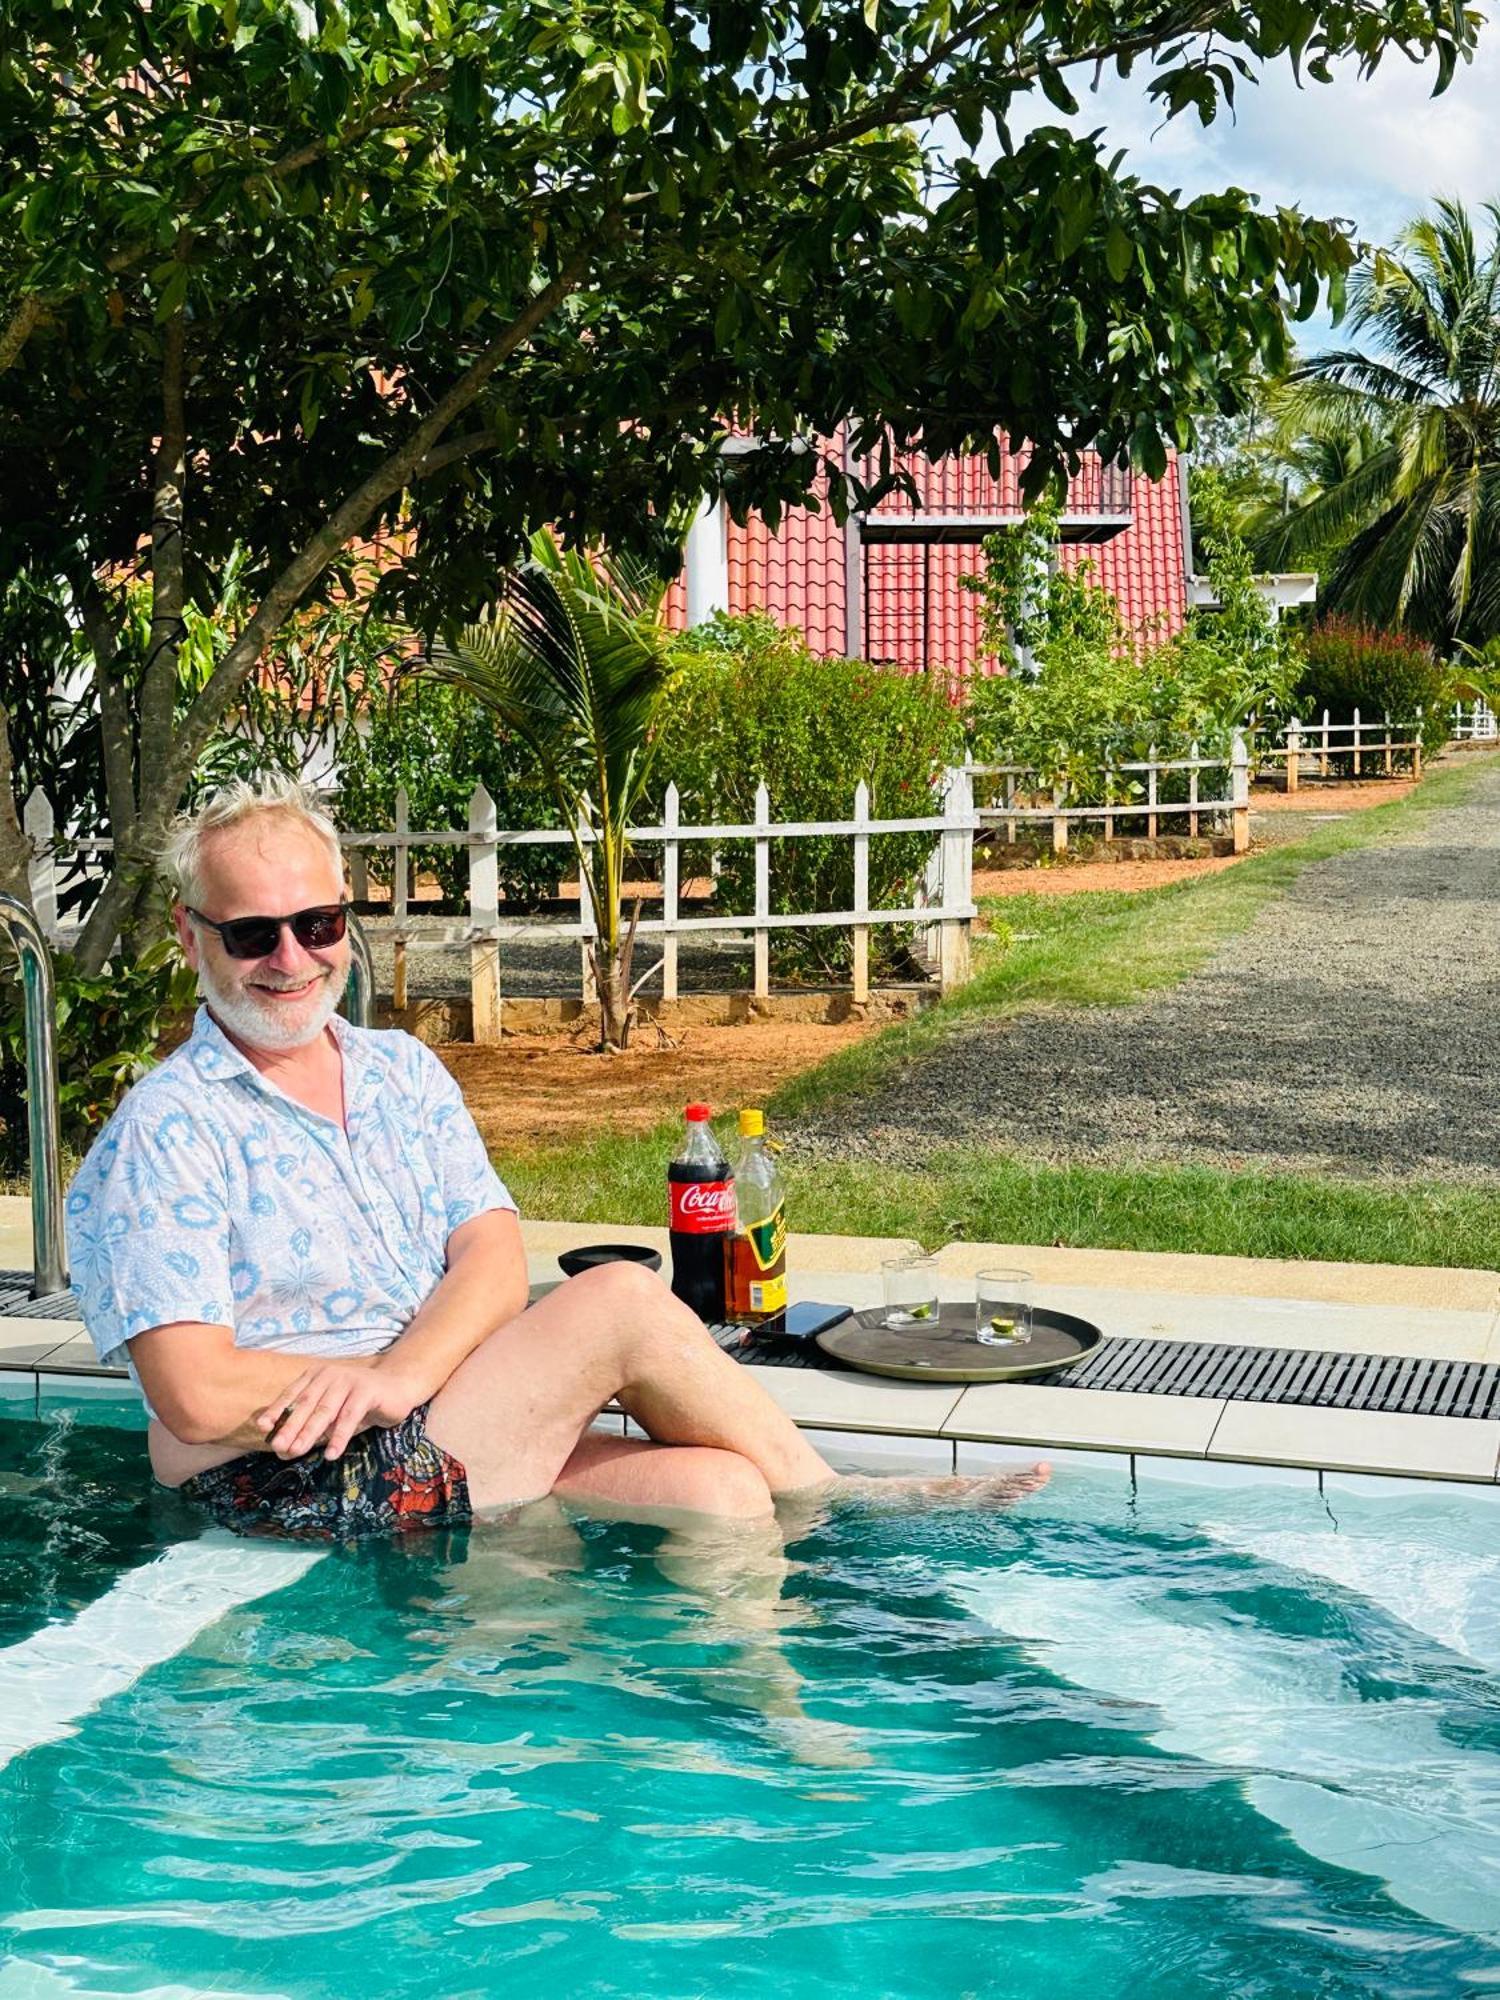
x: 272, y: 792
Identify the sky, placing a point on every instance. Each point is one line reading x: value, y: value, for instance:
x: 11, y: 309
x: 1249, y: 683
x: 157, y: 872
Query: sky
x: 1375, y: 150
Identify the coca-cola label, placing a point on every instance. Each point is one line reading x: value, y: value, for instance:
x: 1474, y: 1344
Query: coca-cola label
x: 702, y: 1208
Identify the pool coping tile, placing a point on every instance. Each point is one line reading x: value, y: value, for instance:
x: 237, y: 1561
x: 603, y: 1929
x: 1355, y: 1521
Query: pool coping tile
x: 1110, y: 1419
x: 839, y: 1402
x: 1450, y: 1448
x: 973, y: 1456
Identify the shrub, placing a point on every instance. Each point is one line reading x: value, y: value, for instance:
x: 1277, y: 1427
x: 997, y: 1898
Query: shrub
x: 1083, y: 694
x: 1355, y: 666
x: 108, y: 1028
x: 440, y: 744
x: 755, y: 704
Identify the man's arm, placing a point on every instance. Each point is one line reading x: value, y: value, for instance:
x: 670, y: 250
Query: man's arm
x: 208, y: 1391
x: 483, y: 1287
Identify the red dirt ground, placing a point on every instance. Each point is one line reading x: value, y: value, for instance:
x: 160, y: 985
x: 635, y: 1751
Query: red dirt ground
x: 547, y: 1089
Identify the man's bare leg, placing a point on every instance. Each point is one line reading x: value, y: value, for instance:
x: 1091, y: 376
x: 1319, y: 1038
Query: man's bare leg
x: 516, y: 1410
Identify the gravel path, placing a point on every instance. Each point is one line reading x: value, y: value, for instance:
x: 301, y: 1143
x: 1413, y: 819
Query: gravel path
x: 1353, y: 1029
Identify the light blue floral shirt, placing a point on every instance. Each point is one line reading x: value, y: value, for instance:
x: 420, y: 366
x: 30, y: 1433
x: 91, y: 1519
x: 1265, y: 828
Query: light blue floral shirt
x: 211, y: 1195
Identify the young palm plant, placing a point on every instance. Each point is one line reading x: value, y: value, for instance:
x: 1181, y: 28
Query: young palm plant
x: 575, y: 661
x: 1406, y: 440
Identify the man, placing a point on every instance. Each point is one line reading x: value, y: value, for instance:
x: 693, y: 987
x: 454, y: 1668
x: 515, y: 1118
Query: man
x: 292, y: 1234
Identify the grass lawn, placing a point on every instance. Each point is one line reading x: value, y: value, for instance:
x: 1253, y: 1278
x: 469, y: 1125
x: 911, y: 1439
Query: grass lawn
x: 1085, y: 950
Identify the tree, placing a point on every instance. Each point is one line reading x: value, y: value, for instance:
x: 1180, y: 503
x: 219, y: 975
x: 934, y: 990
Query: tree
x: 1399, y: 449
x: 279, y: 276
x: 575, y: 662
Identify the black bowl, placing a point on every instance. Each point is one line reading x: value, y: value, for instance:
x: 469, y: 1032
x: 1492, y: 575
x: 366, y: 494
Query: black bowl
x: 589, y: 1254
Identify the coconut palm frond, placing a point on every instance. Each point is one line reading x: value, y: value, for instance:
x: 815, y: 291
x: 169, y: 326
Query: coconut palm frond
x: 1397, y: 448
x: 1328, y: 515
x: 574, y: 661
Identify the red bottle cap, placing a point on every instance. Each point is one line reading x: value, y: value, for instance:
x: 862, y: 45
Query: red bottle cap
x: 696, y: 1113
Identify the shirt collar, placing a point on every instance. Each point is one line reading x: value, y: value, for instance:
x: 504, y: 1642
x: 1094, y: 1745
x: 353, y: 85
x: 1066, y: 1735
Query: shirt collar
x: 215, y: 1057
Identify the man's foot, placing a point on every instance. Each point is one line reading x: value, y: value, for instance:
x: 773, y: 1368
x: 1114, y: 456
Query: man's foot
x: 922, y: 1495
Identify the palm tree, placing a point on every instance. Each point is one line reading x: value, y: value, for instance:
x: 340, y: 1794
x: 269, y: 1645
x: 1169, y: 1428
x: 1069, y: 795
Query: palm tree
x: 575, y: 661
x: 1399, y: 448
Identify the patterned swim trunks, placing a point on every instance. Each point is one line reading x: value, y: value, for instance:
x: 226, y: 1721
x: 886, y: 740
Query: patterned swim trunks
x: 392, y: 1481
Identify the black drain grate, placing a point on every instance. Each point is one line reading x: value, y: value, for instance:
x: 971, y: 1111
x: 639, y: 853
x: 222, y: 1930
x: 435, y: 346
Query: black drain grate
x: 1404, y: 1384
x: 16, y: 1301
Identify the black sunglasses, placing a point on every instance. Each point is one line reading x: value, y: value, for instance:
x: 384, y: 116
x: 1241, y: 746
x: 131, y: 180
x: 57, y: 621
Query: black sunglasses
x: 258, y: 937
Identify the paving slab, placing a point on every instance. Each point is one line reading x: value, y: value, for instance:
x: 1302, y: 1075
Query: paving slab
x: 1108, y: 1419
x: 1171, y: 1273
x: 1359, y: 1441
x: 860, y: 1402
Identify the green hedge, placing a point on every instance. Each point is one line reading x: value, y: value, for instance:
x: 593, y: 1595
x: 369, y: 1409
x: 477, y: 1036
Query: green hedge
x: 754, y: 703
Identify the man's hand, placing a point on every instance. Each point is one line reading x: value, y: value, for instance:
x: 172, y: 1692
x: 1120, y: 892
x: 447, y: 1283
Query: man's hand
x: 329, y: 1402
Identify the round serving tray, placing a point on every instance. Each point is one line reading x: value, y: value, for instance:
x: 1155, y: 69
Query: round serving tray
x: 945, y: 1349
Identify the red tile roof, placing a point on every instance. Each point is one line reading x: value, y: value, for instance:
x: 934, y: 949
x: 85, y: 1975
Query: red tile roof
x: 915, y: 611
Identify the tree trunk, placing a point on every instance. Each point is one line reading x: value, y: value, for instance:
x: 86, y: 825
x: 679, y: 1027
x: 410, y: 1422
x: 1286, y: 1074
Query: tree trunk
x: 616, y: 1012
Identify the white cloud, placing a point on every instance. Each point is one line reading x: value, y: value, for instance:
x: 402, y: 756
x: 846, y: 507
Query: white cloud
x: 1375, y: 149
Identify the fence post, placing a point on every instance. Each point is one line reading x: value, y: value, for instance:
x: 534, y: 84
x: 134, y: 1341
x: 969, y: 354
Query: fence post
x: 957, y: 878
x: 588, y: 984
x: 1059, y: 825
x: 359, y: 875
x: 1323, y: 759
x: 1356, y: 742
x: 1193, y: 791
x: 39, y: 824
x: 1389, y: 766
x: 484, y: 917
x: 1239, y: 791
x: 1416, y: 745
x: 1109, y: 798
x: 399, y: 883
x: 1151, y: 793
x: 861, y: 893
x: 1293, y: 754
x: 762, y: 892
x: 1010, y: 806
x: 670, y: 862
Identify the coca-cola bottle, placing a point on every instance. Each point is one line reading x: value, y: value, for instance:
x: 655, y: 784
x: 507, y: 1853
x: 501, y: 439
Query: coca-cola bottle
x: 700, y: 1188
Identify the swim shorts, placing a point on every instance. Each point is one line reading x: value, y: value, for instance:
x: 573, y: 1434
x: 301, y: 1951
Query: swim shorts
x: 388, y: 1482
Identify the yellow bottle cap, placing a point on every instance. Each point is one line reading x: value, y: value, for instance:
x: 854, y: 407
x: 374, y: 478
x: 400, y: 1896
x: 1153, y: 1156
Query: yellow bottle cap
x: 752, y: 1124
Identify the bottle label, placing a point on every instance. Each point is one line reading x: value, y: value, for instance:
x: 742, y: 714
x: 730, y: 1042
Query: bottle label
x: 757, y: 1268
x: 702, y: 1208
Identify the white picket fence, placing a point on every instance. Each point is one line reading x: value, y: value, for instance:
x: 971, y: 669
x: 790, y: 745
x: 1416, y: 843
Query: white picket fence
x: 944, y: 908
x: 1372, y: 747
x: 1132, y: 797
x: 1472, y: 722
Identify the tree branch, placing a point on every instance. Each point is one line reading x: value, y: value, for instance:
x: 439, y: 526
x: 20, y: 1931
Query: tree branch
x: 171, y: 770
x: 18, y: 328
x: 168, y: 585
x: 115, y: 734
x: 15, y: 849
x: 898, y: 105
x: 28, y: 310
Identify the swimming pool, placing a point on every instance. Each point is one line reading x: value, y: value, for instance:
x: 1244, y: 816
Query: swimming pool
x: 1164, y: 1739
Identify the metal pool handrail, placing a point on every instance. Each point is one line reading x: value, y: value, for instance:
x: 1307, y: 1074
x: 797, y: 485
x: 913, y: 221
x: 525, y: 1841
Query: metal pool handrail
x: 359, y: 994
x: 48, y: 1248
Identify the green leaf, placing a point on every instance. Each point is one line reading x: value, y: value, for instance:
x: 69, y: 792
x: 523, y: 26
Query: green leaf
x: 1119, y: 253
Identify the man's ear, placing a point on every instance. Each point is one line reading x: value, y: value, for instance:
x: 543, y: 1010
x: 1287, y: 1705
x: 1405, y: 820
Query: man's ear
x: 187, y: 937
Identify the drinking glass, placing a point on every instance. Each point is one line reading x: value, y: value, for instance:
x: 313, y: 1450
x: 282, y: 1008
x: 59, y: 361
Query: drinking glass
x: 911, y: 1290
x: 1002, y: 1308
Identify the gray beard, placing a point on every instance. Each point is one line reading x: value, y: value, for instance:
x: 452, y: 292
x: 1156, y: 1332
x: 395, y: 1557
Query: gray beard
x: 261, y: 1024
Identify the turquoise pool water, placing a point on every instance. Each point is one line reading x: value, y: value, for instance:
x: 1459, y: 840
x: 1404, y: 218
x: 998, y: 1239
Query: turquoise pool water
x: 1167, y: 1740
